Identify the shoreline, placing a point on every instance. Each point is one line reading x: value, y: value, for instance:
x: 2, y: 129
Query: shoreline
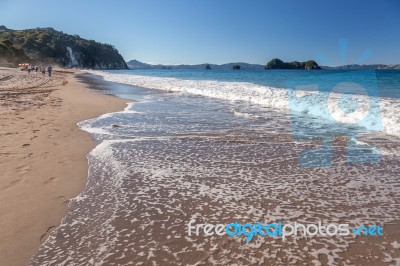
x: 147, y: 212
x: 43, y: 157
x: 94, y: 91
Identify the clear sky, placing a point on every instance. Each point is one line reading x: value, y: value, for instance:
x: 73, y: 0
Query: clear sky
x: 222, y: 31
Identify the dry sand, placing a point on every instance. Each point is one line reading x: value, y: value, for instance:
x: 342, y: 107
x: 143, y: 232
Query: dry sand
x: 43, y: 154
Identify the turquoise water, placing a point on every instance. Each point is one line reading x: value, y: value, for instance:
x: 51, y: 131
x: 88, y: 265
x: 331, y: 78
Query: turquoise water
x: 368, y: 99
x: 388, y: 80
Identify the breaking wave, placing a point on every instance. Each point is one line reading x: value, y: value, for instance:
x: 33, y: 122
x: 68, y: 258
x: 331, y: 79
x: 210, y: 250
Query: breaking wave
x: 372, y: 113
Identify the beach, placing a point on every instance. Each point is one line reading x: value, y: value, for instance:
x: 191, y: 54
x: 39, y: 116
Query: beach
x: 208, y: 148
x: 89, y: 180
x: 43, y: 154
x: 199, y: 133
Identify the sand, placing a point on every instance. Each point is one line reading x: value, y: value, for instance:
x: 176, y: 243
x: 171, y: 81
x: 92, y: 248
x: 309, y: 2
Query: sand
x: 43, y: 165
x: 43, y: 154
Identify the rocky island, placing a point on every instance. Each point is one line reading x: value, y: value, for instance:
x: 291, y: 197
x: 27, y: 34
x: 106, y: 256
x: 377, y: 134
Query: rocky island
x: 279, y: 64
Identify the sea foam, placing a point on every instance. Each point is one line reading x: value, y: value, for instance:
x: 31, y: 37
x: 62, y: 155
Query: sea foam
x: 323, y: 105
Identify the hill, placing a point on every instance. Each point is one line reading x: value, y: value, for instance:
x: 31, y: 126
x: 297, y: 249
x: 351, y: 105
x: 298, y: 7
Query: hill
x: 135, y: 64
x: 48, y: 46
x: 363, y: 67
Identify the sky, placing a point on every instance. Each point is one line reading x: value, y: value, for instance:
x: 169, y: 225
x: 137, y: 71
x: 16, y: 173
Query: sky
x: 222, y: 31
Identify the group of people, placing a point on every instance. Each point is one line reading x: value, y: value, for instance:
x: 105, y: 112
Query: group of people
x: 42, y: 69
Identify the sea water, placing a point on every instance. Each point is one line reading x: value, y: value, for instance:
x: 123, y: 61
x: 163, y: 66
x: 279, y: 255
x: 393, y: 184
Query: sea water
x: 224, y: 146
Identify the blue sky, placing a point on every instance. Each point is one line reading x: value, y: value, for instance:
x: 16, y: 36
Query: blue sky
x: 221, y: 31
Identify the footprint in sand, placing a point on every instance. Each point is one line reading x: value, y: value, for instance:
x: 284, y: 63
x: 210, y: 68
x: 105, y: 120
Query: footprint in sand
x: 23, y: 169
x: 51, y: 181
x: 63, y: 199
x: 45, y: 235
x: 28, y: 156
x: 12, y: 183
x: 26, y: 145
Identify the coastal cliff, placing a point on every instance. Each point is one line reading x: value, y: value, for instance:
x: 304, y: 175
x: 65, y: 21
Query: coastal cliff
x: 49, y: 46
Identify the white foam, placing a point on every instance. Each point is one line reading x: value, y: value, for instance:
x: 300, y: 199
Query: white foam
x: 245, y: 115
x: 142, y: 187
x: 86, y: 125
x: 395, y: 244
x: 278, y: 98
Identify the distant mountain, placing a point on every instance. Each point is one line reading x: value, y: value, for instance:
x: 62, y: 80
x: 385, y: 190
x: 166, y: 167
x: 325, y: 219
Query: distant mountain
x: 363, y: 67
x: 46, y: 45
x: 135, y: 64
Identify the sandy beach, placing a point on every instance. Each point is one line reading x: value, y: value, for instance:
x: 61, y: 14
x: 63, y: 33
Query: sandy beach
x: 43, y: 154
x: 141, y: 192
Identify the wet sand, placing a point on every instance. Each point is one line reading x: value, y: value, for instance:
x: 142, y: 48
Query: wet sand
x: 173, y: 158
x: 43, y: 154
x: 142, y: 193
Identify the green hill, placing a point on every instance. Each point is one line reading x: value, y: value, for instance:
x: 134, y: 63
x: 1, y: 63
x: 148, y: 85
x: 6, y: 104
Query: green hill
x: 48, y: 46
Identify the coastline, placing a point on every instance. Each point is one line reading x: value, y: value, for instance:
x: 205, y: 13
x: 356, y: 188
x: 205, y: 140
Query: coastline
x: 43, y: 155
x: 135, y: 202
x: 66, y: 163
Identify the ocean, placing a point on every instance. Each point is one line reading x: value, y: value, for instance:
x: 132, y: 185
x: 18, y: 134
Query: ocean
x: 218, y: 147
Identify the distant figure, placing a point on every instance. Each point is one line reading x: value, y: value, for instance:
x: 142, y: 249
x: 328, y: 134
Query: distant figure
x: 49, y: 69
x: 43, y: 70
x: 36, y: 68
x: 29, y: 68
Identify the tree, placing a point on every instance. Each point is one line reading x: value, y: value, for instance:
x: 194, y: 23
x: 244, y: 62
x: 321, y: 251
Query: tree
x: 311, y: 64
x: 276, y: 63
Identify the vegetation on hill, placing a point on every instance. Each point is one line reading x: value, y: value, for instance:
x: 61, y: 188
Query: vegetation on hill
x: 236, y: 67
x: 48, y: 46
x: 135, y: 64
x: 363, y: 67
x: 279, y: 64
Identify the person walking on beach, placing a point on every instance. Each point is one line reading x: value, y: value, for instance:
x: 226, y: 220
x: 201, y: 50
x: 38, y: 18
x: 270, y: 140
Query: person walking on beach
x: 49, y: 69
x: 29, y: 68
x: 43, y: 70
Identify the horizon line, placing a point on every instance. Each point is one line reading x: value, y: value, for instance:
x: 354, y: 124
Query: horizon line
x: 238, y: 62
